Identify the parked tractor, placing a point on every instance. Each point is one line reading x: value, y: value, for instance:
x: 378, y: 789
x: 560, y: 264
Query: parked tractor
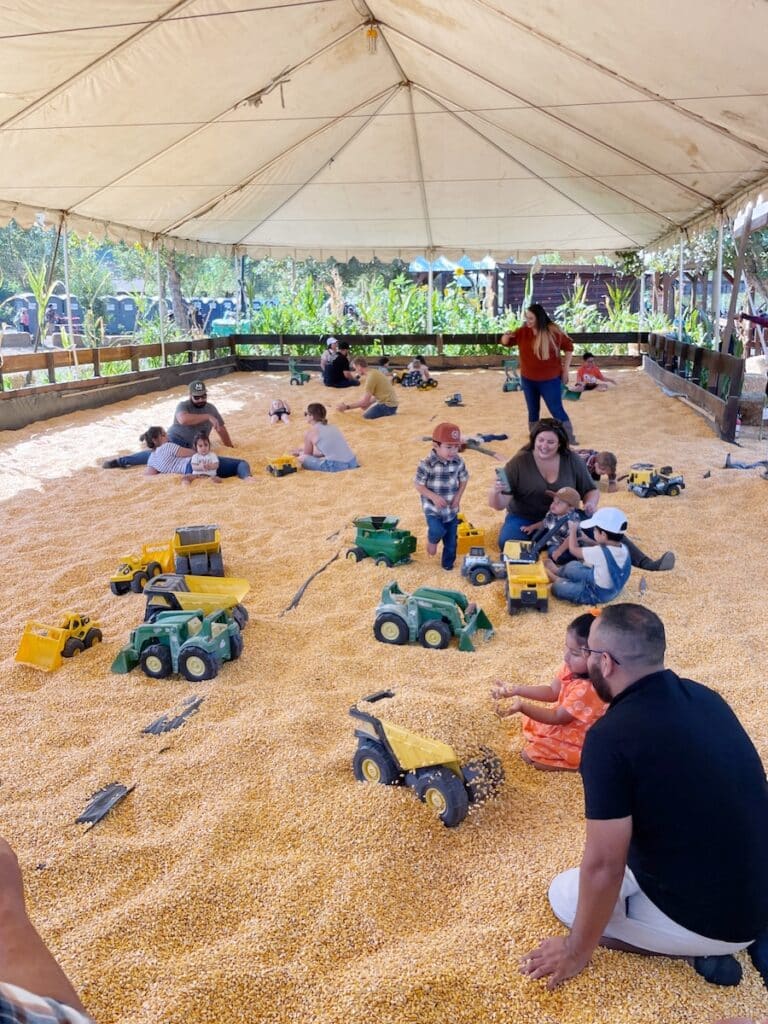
x: 646, y: 481
x: 44, y: 647
x: 297, y: 376
x: 134, y: 570
x: 190, y: 643
x: 197, y: 551
x: 377, y: 537
x: 429, y: 616
x: 171, y: 592
x: 388, y: 754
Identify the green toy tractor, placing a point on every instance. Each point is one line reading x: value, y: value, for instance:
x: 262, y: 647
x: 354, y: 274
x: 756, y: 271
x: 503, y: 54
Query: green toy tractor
x: 377, y: 537
x: 429, y: 616
x: 393, y: 756
x: 190, y: 643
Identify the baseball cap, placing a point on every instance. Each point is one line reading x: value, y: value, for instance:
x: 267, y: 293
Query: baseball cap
x: 332, y: 341
x: 611, y: 519
x: 567, y: 494
x: 446, y: 433
x: 197, y: 387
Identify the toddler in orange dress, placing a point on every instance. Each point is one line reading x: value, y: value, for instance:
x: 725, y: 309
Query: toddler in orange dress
x: 555, y: 735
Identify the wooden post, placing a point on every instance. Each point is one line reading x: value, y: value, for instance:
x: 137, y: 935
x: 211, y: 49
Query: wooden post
x: 51, y: 367
x: 96, y: 363
x: 737, y: 271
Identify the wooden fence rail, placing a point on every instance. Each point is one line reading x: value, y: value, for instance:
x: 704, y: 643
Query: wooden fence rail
x: 710, y: 380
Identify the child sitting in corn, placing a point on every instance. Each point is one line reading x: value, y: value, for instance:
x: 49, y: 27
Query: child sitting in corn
x: 601, y: 568
x: 555, y: 735
x: 563, y: 510
x: 441, y: 480
x: 204, y: 462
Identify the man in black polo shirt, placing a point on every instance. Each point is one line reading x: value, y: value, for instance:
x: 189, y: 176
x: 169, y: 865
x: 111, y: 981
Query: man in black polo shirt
x: 676, y: 854
x: 340, y: 374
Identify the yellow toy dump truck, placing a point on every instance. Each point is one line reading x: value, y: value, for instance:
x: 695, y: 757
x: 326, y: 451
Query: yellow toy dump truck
x: 283, y: 466
x: 170, y: 592
x: 134, y: 570
x: 467, y: 536
x: 527, y: 583
x: 646, y: 481
x: 44, y: 647
x: 197, y: 550
x: 393, y: 756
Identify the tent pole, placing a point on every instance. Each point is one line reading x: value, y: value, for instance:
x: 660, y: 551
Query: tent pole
x: 680, y: 292
x: 160, y: 304
x: 68, y: 297
x: 430, y: 285
x: 717, y: 284
x: 641, y: 311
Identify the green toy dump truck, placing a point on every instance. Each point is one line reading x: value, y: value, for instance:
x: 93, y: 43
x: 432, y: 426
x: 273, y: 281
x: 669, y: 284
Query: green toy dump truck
x: 170, y: 592
x: 190, y: 643
x: 430, y: 616
x: 197, y: 550
x: 388, y: 754
x: 378, y: 538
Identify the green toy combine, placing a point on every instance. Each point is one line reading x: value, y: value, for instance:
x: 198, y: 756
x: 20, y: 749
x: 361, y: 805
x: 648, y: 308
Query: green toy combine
x: 377, y: 537
x: 429, y: 616
x: 388, y: 754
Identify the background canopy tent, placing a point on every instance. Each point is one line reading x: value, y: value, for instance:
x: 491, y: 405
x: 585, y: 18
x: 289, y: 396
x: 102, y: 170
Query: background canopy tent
x: 385, y: 128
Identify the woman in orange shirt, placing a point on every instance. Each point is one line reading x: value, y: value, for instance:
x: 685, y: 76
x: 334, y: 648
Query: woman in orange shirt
x: 545, y: 359
x: 555, y: 735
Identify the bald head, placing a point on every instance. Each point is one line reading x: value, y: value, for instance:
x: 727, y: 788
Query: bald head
x: 633, y: 634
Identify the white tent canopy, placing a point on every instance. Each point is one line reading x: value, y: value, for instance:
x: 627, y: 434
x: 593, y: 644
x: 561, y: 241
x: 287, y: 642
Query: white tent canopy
x: 388, y: 128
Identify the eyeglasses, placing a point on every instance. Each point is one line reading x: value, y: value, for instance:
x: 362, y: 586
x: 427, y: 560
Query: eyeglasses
x: 586, y: 651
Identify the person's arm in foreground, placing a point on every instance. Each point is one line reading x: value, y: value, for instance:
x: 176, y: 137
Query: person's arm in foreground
x: 364, y: 402
x: 223, y: 433
x: 548, y: 716
x: 545, y: 692
x: 600, y: 878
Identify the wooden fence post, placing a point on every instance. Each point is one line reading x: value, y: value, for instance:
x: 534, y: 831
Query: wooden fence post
x: 51, y: 367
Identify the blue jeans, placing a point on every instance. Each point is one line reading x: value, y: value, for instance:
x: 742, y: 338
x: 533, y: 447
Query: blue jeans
x: 137, y: 459
x: 444, y: 530
x: 328, y: 465
x: 510, y: 529
x: 550, y: 391
x: 374, y: 412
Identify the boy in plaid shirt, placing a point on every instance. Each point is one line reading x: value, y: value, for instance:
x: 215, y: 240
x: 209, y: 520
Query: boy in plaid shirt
x: 441, y: 479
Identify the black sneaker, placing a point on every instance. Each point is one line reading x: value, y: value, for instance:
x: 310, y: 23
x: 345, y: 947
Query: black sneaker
x: 112, y: 464
x: 758, y: 953
x: 718, y: 970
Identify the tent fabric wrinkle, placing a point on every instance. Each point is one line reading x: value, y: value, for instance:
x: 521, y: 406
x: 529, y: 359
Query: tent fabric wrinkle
x: 471, y: 127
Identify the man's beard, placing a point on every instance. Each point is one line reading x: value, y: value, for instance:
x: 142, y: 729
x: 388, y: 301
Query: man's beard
x: 599, y: 682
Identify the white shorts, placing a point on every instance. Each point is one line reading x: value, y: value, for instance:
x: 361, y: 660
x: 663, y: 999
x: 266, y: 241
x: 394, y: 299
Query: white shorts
x: 637, y: 921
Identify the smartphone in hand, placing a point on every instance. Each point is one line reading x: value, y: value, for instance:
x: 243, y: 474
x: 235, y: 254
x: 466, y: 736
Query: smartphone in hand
x: 501, y: 476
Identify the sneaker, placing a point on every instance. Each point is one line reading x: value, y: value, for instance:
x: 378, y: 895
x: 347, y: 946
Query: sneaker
x: 666, y: 562
x: 112, y: 464
x: 728, y: 462
x: 718, y: 970
x: 758, y: 953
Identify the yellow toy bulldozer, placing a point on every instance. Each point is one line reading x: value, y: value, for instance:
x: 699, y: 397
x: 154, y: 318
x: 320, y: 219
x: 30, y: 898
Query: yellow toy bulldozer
x: 44, y: 647
x: 393, y: 756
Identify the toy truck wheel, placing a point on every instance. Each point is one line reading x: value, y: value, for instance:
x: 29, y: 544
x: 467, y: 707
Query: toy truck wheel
x: 195, y: 664
x: 384, y: 560
x: 240, y: 615
x: 198, y: 564
x: 72, y: 647
x: 154, y: 569
x: 216, y: 564
x: 673, y: 491
x: 181, y: 565
x: 371, y: 763
x: 435, y: 634
x: 480, y: 575
x: 118, y: 589
x: 390, y: 629
x: 139, y: 581
x: 235, y: 647
x: 444, y: 793
x: 293, y: 381
x: 356, y: 555
x: 156, y: 661
x: 93, y: 636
